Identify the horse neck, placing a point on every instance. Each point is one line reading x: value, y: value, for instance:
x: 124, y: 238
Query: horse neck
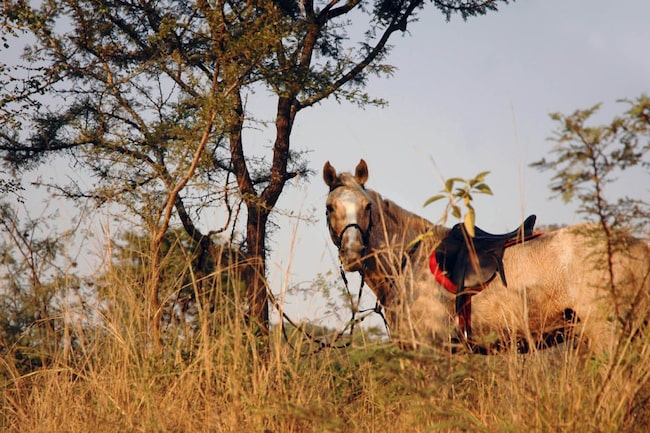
x: 393, y: 226
x: 397, y: 237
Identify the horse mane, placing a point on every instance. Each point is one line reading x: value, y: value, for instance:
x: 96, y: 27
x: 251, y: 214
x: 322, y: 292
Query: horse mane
x: 396, y: 217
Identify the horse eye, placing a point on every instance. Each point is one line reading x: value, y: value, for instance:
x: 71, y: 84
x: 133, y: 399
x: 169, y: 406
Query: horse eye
x: 329, y: 208
x: 368, y: 207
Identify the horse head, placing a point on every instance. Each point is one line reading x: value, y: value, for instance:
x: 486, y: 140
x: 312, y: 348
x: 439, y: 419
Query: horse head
x: 349, y: 214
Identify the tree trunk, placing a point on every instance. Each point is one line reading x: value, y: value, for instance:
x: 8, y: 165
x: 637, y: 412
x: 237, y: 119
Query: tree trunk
x: 259, y: 206
x: 154, y: 311
x: 256, y: 282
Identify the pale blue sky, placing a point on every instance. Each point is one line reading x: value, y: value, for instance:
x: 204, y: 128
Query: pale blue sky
x: 472, y: 96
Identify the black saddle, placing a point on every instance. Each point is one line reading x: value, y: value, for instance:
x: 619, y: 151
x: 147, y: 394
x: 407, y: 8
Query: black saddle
x: 463, y: 262
x: 473, y: 262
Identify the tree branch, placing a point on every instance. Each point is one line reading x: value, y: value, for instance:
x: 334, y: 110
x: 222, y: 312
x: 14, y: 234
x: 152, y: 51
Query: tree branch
x: 397, y: 23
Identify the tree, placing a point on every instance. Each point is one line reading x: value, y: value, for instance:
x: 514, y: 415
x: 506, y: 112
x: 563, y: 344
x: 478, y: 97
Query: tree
x: 150, y: 98
x: 587, y: 159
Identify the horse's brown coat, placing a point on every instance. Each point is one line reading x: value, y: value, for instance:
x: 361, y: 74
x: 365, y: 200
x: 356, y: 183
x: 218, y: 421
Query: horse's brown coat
x: 563, y: 270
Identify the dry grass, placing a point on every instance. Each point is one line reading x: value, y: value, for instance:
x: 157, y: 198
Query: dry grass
x: 215, y: 380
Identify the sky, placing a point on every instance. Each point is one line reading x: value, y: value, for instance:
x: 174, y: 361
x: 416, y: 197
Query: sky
x: 467, y: 97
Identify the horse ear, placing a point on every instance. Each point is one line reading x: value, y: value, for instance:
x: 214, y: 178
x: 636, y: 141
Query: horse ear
x: 361, y: 172
x: 329, y: 174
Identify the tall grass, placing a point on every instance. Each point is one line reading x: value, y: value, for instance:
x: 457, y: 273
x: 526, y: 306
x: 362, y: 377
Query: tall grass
x: 214, y: 377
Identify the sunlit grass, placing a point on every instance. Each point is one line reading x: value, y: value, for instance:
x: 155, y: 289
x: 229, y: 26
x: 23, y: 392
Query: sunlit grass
x: 216, y: 377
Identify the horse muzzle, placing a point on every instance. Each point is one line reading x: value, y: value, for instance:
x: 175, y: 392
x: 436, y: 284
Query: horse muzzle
x: 351, y: 244
x: 351, y: 258
x: 351, y: 261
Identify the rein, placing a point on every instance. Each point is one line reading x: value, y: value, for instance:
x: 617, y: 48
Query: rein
x: 322, y: 342
x: 354, y: 305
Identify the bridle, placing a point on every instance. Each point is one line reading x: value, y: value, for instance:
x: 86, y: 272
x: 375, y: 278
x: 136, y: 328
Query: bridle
x: 365, y: 238
x: 337, y: 237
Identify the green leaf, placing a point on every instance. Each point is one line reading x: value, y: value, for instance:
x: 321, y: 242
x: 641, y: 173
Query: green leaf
x: 481, y: 176
x: 432, y: 199
x: 449, y: 184
x: 455, y: 211
x: 483, y: 188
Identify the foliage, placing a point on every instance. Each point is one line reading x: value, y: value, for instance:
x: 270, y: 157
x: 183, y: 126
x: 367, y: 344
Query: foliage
x: 10, y: 186
x: 475, y: 185
x: 589, y: 160
x: 184, y: 290
x: 37, y: 276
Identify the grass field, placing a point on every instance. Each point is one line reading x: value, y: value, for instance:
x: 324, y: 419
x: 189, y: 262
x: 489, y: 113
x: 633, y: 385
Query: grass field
x: 214, y: 379
x: 92, y: 367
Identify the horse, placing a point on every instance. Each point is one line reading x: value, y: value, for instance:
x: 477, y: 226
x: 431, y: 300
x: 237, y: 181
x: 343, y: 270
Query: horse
x: 575, y: 282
